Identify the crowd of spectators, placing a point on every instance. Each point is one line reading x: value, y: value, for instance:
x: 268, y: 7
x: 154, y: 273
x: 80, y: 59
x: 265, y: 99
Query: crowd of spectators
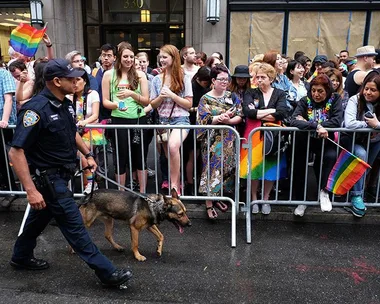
x: 188, y: 87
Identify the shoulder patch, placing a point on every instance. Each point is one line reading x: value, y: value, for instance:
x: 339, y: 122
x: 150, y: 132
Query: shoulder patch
x: 30, y: 118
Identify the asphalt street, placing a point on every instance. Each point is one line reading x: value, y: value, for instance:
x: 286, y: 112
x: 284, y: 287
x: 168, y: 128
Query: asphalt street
x: 286, y: 263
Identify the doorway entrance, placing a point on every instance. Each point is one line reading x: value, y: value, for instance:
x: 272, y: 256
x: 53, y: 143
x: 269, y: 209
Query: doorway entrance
x: 147, y: 39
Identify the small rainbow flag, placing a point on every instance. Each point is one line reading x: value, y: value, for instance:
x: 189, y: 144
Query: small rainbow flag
x: 347, y: 170
x: 25, y: 39
x: 315, y: 74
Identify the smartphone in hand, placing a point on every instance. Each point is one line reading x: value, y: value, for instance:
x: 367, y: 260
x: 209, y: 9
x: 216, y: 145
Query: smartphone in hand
x: 369, y: 114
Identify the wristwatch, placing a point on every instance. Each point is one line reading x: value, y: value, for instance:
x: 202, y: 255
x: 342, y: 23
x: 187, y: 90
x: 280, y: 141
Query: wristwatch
x: 90, y: 154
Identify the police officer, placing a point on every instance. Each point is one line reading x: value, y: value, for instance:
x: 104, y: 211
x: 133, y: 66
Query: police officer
x: 46, y: 138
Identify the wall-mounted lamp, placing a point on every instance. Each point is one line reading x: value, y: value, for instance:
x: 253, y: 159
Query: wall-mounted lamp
x: 36, y: 12
x: 145, y: 15
x: 213, y: 11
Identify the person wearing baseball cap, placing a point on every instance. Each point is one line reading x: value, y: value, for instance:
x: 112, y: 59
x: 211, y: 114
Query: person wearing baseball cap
x: 46, y: 138
x: 60, y: 68
x: 365, y: 56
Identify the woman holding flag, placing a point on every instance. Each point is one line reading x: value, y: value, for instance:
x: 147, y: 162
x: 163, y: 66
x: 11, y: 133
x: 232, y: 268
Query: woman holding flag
x: 320, y: 109
x: 363, y: 111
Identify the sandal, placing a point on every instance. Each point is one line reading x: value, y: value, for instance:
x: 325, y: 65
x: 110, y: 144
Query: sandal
x: 212, y: 215
x: 221, y: 206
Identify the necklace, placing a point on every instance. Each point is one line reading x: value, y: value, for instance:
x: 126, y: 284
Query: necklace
x: 318, y: 115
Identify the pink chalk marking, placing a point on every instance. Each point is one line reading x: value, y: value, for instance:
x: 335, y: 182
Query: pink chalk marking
x: 357, y: 272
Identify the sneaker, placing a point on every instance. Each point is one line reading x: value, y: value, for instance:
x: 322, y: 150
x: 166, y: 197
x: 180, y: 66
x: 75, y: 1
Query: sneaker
x: 151, y: 172
x: 165, y: 185
x: 358, y: 208
x: 255, y: 208
x: 88, y: 188
x: 300, y: 210
x: 265, y: 209
x: 325, y: 202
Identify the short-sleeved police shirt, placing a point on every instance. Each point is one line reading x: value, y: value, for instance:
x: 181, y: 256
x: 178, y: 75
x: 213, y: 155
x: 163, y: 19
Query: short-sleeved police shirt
x: 46, y: 131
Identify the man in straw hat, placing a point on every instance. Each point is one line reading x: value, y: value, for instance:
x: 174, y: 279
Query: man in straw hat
x: 365, y: 56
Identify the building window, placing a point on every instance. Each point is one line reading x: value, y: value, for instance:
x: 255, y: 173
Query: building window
x: 313, y: 32
x: 93, y: 43
x: 325, y: 32
x: 146, y: 24
x: 253, y: 33
x: 92, y: 11
x: 374, y: 37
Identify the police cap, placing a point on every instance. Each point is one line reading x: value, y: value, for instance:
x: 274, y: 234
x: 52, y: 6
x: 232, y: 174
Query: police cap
x: 60, y: 68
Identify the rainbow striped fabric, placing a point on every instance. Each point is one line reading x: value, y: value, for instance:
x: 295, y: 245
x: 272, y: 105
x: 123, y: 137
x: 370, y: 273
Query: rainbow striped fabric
x: 315, y: 74
x: 25, y: 39
x: 347, y: 170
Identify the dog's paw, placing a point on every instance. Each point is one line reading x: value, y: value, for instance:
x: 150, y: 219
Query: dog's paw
x: 119, y: 249
x: 159, y: 253
x: 140, y: 258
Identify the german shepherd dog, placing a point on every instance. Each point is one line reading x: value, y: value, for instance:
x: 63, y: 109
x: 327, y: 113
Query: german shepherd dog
x: 139, y: 213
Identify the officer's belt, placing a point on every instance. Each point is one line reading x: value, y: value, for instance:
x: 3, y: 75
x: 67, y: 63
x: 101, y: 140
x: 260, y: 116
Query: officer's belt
x: 52, y: 171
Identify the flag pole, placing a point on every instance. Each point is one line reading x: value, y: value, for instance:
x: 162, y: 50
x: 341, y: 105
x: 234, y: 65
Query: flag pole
x: 338, y: 145
x: 346, y: 150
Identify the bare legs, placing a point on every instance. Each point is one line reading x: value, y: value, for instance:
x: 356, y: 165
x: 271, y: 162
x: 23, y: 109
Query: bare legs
x: 174, y: 158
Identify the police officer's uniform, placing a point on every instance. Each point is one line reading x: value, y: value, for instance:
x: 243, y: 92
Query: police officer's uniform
x: 46, y: 131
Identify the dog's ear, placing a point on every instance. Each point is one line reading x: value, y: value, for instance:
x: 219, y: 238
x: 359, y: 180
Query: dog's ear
x: 174, y: 193
x: 167, y: 202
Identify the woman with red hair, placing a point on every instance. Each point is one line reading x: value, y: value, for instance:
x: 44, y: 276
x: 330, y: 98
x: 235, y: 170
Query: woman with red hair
x: 320, y: 109
x: 281, y: 82
x: 172, y: 96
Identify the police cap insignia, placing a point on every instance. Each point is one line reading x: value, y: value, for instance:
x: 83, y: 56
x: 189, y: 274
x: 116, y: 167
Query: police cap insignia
x: 30, y: 118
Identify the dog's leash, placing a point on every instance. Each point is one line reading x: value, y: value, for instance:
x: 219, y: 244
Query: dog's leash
x: 145, y: 197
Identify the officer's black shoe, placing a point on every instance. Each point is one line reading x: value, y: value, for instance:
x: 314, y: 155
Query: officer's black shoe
x: 30, y: 264
x: 119, y: 277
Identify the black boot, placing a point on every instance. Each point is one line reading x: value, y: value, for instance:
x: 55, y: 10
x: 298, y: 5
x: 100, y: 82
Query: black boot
x: 118, y: 277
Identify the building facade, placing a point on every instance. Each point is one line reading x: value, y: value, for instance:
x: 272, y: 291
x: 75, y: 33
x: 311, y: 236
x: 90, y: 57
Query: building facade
x: 245, y: 28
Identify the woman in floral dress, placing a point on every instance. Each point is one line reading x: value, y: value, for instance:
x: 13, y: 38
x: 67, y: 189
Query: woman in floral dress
x: 222, y: 107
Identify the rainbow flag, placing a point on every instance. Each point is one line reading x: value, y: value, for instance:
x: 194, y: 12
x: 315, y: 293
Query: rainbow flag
x: 347, y: 170
x: 25, y: 39
x: 315, y: 74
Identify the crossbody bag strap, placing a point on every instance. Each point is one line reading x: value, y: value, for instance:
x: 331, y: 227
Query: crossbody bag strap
x: 112, y: 85
x: 85, y: 106
x: 171, y: 112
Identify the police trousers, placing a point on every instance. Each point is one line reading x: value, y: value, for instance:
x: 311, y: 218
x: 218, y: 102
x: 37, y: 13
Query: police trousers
x: 66, y: 213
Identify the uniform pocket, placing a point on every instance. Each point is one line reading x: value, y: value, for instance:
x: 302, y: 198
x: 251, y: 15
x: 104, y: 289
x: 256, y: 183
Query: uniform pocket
x: 56, y: 125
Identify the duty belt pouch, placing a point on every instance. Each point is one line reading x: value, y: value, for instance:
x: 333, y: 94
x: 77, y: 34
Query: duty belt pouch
x: 45, y: 187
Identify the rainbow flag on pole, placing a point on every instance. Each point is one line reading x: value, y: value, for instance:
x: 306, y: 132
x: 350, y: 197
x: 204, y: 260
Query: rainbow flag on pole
x: 347, y: 170
x: 25, y: 39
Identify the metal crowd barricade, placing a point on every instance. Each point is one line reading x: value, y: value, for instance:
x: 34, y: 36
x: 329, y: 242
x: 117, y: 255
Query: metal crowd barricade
x: 196, y: 197
x: 106, y: 173
x: 288, y: 201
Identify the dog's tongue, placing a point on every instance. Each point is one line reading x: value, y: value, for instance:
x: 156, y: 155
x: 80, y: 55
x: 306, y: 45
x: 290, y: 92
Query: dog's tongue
x: 179, y: 227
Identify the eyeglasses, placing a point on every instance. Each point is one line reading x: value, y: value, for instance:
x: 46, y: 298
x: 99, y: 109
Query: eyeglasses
x: 78, y: 61
x: 223, y: 79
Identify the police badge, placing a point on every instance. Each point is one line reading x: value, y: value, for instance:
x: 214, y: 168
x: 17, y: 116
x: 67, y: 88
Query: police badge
x: 30, y: 118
